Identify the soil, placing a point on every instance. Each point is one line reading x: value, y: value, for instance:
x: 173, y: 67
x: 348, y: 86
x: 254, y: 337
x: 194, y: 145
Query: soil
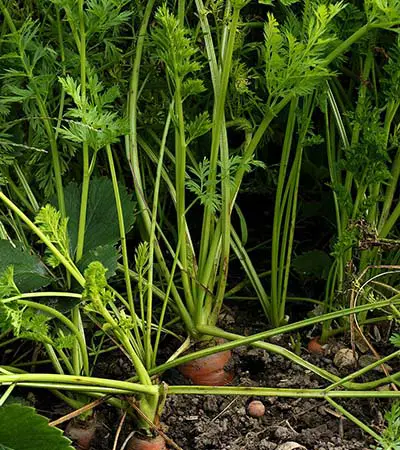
x: 198, y: 422
x: 222, y: 423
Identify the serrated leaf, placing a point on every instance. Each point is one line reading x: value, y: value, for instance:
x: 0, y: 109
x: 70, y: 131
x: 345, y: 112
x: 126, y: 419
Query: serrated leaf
x: 29, y: 272
x: 23, y: 429
x: 395, y: 339
x: 101, y: 220
x: 199, y: 126
x: 55, y: 227
x: 315, y: 263
x: 108, y: 255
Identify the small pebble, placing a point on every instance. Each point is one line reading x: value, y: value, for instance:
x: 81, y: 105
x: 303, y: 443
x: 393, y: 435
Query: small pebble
x: 256, y: 408
x: 344, y: 358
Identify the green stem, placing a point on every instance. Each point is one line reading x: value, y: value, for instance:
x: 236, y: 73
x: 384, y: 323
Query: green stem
x: 180, y: 177
x: 251, y: 273
x: 277, y: 392
x: 6, y: 394
x: 356, y: 36
x: 150, y: 354
x: 133, y: 157
x: 70, y: 380
x: 24, y: 182
x: 69, y: 265
x: 210, y: 331
x: 44, y: 113
x: 275, y: 318
x: 218, y: 122
x: 125, y: 258
x: 390, y: 222
x: 363, y: 370
x: 75, y: 330
x: 354, y: 419
x: 85, y: 149
x: 251, y: 148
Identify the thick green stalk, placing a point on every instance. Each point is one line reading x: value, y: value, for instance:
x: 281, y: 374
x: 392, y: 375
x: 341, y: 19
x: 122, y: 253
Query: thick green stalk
x: 277, y: 392
x: 208, y: 276
x: 278, y: 215
x: 70, y: 380
x: 6, y: 394
x: 202, y: 12
x: 180, y: 178
x: 133, y: 157
x: 42, y: 294
x: 76, y: 317
x: 54, y: 360
x: 218, y: 122
x: 85, y: 149
x: 271, y: 113
x: 355, y: 37
x: 225, y: 218
x: 150, y: 354
x: 84, y: 201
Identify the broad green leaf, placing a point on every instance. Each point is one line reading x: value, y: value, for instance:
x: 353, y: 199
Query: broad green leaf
x: 315, y: 263
x: 29, y: 272
x: 107, y: 254
x: 101, y: 220
x: 23, y: 429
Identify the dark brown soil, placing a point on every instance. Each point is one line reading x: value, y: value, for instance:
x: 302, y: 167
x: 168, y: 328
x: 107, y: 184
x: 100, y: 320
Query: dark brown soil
x: 222, y: 423
x: 212, y: 422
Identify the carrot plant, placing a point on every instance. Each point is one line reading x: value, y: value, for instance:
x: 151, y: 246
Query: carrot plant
x: 363, y: 158
x: 302, y: 63
x: 295, y: 65
x: 112, y: 100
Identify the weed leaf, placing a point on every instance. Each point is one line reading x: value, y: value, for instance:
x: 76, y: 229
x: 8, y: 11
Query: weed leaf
x: 107, y: 254
x: 29, y: 272
x: 23, y: 429
x: 101, y: 221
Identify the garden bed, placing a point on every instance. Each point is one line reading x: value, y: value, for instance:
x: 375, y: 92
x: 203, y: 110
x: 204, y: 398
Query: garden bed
x: 215, y: 422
